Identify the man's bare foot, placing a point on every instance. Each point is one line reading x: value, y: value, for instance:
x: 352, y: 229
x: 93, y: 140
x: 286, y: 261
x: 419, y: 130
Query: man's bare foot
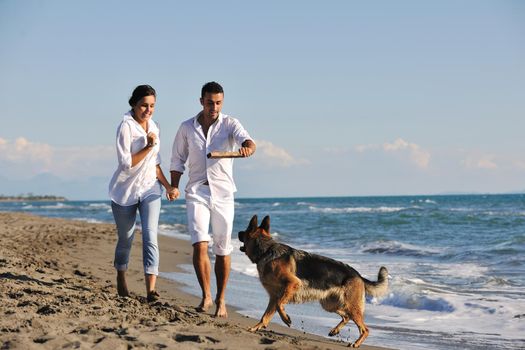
x: 204, y: 305
x: 221, y: 310
x: 122, y: 286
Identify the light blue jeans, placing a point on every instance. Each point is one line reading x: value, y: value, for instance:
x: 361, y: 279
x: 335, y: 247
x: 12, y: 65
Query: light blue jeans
x: 125, y: 216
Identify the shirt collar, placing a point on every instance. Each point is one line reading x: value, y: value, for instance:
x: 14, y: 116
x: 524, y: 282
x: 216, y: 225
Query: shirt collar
x: 129, y: 116
x: 197, y: 124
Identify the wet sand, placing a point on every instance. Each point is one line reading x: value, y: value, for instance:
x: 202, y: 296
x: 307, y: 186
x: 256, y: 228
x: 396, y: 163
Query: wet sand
x: 58, y: 291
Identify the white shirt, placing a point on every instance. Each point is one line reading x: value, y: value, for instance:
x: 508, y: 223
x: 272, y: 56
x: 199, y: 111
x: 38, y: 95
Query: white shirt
x: 191, y: 146
x: 130, y: 185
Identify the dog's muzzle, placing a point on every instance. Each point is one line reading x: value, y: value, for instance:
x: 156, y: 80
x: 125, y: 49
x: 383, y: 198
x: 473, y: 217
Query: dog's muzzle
x: 242, y: 249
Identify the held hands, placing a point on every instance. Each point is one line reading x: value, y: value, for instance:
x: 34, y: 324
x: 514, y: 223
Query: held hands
x: 172, y: 193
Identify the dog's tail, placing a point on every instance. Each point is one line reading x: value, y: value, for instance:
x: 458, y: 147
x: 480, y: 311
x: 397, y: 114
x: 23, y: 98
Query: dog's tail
x: 379, y: 288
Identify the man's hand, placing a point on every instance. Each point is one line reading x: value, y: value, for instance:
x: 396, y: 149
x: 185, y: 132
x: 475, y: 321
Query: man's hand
x: 247, y: 148
x: 245, y: 151
x: 172, y: 193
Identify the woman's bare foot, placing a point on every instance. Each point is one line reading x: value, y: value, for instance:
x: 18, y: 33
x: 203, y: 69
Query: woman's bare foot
x: 204, y: 305
x: 221, y: 310
x: 122, y: 286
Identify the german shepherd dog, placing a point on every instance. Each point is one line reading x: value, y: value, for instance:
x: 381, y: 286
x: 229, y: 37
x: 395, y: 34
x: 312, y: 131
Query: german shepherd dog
x: 296, y: 276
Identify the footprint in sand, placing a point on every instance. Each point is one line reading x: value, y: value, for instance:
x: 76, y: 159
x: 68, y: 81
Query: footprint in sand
x: 194, y: 338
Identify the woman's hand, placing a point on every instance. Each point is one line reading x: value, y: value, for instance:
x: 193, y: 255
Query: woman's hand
x: 151, y: 139
x: 172, y: 193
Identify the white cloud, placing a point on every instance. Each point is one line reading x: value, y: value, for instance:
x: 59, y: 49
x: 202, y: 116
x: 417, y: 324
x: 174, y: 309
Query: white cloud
x: 487, y: 164
x: 22, y: 150
x: 520, y: 164
x: 22, y: 158
x: 415, y: 153
x: 272, y: 155
x: 480, y: 162
x: 365, y: 148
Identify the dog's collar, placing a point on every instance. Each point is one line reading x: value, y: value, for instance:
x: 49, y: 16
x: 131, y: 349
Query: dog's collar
x: 266, y: 257
x: 271, y: 254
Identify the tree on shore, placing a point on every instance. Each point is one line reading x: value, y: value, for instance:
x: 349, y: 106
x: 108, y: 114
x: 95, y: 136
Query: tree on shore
x: 32, y: 197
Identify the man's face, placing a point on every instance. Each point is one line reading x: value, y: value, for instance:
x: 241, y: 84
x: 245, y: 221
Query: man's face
x: 212, y: 105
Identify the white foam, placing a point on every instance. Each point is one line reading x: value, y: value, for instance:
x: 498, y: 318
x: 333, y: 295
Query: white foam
x: 179, y: 231
x: 413, y: 308
x: 97, y: 206
x: 398, y: 248
x: 356, y: 210
x: 426, y: 201
x: 57, y: 206
x: 89, y: 220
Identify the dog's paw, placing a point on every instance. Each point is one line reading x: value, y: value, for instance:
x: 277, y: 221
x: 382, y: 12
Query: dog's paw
x: 333, y: 332
x: 287, y: 320
x: 257, y: 327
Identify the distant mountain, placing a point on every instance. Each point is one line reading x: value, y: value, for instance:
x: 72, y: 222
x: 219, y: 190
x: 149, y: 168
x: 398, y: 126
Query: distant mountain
x: 464, y: 193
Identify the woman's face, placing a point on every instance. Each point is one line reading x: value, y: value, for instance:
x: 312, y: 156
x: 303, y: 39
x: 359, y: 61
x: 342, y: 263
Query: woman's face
x: 143, y: 110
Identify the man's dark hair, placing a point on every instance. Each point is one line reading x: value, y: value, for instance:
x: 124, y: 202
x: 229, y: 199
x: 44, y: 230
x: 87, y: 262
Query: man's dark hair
x: 212, y: 88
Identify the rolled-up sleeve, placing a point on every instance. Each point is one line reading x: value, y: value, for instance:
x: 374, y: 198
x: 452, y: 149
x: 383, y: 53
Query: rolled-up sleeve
x: 180, y: 151
x: 124, y: 146
x: 238, y: 132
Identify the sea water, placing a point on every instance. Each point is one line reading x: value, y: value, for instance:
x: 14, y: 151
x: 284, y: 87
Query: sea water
x: 456, y: 263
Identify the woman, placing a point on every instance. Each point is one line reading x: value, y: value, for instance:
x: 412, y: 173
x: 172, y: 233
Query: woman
x: 136, y: 184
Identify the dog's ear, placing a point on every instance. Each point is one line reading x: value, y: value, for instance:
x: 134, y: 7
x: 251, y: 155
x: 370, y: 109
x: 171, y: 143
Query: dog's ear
x: 265, y: 224
x: 253, y: 224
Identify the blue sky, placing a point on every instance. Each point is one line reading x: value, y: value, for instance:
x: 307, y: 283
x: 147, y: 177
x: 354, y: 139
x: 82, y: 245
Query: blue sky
x: 342, y: 97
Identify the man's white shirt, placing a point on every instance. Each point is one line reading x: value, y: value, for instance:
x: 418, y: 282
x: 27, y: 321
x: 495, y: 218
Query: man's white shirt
x: 191, y: 147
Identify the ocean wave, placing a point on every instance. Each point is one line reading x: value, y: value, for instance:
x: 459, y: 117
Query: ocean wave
x: 169, y: 229
x: 57, y: 206
x: 94, y: 207
x: 350, y: 210
x: 97, y: 206
x: 500, y: 282
x: 397, y: 248
x: 173, y: 205
x: 89, y: 220
x: 426, y: 201
x: 418, y: 302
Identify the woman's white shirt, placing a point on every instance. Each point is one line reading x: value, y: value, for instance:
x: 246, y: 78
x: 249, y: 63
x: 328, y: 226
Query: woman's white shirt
x: 129, y: 185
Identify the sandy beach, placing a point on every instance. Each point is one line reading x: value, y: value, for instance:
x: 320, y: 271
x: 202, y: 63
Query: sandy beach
x: 58, y: 291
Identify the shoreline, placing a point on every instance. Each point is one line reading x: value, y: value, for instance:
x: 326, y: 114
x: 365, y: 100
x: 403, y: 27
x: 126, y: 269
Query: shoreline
x: 33, y: 199
x: 58, y: 290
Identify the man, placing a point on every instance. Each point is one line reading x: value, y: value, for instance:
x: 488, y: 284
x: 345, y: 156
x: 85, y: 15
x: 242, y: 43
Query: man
x: 210, y: 188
